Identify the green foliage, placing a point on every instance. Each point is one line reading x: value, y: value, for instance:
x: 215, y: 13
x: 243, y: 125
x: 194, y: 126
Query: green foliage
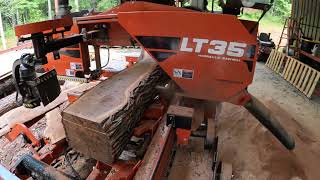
x: 281, y: 8
x: 107, y: 4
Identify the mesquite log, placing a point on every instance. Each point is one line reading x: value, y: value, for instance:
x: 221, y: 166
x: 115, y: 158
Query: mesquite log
x: 7, y: 103
x: 100, y: 123
x: 6, y: 87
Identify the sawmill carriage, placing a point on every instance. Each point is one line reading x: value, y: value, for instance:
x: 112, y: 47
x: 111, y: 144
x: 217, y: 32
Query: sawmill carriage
x: 192, y: 61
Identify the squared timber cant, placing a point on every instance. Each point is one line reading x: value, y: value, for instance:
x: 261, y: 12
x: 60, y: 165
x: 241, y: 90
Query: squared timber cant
x: 100, y: 123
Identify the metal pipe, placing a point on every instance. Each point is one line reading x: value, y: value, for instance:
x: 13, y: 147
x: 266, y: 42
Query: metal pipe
x: 30, y: 166
x: 260, y: 111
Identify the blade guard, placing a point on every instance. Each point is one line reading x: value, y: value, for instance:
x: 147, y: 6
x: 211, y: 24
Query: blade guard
x: 206, y: 57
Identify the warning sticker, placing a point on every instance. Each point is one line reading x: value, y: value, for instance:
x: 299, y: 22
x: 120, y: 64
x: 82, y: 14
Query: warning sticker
x: 75, y: 66
x: 70, y: 72
x: 183, y: 73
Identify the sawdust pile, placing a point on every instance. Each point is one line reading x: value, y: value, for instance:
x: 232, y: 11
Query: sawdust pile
x: 256, y: 155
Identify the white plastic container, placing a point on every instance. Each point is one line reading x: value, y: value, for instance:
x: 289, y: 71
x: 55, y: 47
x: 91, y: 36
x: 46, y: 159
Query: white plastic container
x: 316, y: 50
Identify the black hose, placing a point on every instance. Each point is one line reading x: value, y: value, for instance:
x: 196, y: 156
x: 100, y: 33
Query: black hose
x: 108, y: 59
x: 258, y: 110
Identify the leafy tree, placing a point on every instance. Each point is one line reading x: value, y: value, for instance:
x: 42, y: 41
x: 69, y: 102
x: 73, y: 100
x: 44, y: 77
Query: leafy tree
x: 107, y: 4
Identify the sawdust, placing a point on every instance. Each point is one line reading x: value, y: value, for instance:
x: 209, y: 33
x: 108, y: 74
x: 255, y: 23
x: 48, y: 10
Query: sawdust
x: 256, y: 154
x: 192, y: 162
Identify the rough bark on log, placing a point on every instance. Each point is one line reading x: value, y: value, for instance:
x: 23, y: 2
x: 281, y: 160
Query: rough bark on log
x: 99, y: 124
x: 6, y: 87
x: 8, y: 103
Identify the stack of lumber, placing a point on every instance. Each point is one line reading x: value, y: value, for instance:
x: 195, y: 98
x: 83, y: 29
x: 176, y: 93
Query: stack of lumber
x: 100, y: 123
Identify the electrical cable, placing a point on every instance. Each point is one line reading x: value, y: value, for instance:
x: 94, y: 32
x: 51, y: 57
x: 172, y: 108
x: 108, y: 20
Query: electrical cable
x: 108, y: 58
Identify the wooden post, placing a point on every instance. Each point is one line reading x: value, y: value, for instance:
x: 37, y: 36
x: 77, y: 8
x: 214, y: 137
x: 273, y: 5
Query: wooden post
x: 3, y: 39
x: 77, y: 5
x: 49, y: 10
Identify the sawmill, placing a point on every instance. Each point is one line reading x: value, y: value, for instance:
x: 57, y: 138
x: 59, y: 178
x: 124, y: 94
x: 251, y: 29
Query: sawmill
x: 163, y: 89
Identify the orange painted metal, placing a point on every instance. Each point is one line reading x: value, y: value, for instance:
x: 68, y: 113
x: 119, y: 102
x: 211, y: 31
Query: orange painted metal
x: 99, y: 172
x: 72, y: 97
x: 105, y: 73
x: 164, y: 159
x: 131, y: 60
x: 43, y: 26
x: 214, y: 77
x: 120, y: 170
x: 123, y: 170
x: 151, y: 119
x: 155, y: 111
x: 146, y: 126
x: 183, y: 136
x: 55, y: 152
x: 21, y: 129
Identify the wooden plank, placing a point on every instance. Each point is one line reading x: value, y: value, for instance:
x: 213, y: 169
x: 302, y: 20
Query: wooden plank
x: 276, y: 61
x: 54, y: 130
x: 305, y: 80
x: 295, y: 72
x: 270, y: 58
x: 288, y: 68
x: 302, y: 66
x: 99, y: 124
x: 315, y: 82
x: 310, y: 81
x: 285, y: 67
x: 280, y: 64
x: 273, y: 60
x: 294, y: 62
x: 302, y: 77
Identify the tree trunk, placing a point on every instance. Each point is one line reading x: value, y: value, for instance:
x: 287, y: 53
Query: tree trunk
x: 76, y: 2
x: 49, y: 10
x: 94, y: 4
x: 3, y: 39
x: 18, y: 17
